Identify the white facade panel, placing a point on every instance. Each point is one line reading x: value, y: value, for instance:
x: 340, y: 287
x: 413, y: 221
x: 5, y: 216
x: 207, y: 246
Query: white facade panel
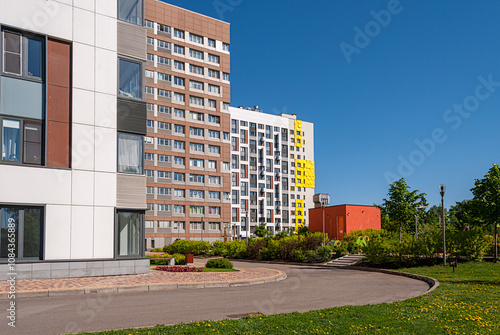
x: 105, y: 149
x: 83, y: 66
x: 83, y: 151
x: 84, y: 27
x: 106, y: 27
x: 104, y: 218
x: 57, y: 232
x: 82, y: 188
x: 84, y: 4
x: 105, y: 189
x: 82, y: 232
x: 83, y: 107
x: 106, y: 73
x: 105, y: 110
x: 108, y: 8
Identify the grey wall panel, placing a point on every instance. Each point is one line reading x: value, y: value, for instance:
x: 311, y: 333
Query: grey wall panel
x: 132, y: 116
x: 130, y: 191
x: 132, y: 40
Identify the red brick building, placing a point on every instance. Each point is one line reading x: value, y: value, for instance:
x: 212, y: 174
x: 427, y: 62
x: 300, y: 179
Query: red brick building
x: 341, y: 219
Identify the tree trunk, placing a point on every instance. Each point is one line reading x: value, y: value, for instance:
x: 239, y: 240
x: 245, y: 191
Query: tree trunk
x: 400, y: 232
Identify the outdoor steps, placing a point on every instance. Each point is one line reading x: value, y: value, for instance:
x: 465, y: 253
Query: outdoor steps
x: 347, y: 260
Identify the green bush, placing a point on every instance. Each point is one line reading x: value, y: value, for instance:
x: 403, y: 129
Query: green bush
x: 220, y: 263
x: 472, y: 245
x: 236, y: 249
x: 254, y: 248
x: 179, y: 259
x: 352, y: 247
x: 311, y: 256
x: 325, y: 253
x: 381, y: 248
x: 187, y: 247
x: 299, y: 256
x: 288, y: 248
x: 312, y: 241
x: 219, y: 248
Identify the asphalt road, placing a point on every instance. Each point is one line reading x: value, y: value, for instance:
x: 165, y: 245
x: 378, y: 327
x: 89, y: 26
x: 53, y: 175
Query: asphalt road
x: 306, y: 288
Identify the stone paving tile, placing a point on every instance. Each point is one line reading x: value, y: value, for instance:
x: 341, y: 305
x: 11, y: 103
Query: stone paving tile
x: 153, y: 278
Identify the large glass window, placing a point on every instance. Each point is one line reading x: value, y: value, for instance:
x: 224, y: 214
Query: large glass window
x: 129, y: 233
x: 21, y: 231
x: 11, y: 140
x: 130, y: 11
x: 130, y: 153
x: 130, y: 79
x: 32, y: 146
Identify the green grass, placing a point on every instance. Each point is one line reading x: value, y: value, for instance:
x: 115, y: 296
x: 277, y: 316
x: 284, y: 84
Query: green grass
x: 466, y: 302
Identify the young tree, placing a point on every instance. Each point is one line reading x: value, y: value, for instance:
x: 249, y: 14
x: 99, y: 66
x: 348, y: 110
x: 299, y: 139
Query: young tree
x: 461, y: 216
x: 486, y: 202
x: 401, y: 205
x: 261, y: 230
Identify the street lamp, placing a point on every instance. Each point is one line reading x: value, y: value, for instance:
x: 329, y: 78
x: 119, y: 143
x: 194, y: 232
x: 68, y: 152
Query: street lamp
x: 202, y: 228
x: 322, y: 200
x: 248, y: 227
x: 416, y: 221
x: 442, y: 189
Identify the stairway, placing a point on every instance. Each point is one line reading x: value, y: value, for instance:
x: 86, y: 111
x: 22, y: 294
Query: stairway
x: 346, y: 260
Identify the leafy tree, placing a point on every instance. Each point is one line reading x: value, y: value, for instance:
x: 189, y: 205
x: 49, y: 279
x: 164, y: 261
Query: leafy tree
x: 461, y: 216
x: 303, y: 230
x: 486, y: 202
x: 432, y: 218
x: 400, y: 205
x: 261, y: 230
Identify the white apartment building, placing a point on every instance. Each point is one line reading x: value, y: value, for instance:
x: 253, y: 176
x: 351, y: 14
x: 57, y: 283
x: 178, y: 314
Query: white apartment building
x: 272, y: 171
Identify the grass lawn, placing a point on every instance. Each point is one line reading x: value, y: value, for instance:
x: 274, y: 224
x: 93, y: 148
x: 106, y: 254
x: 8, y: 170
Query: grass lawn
x: 466, y: 302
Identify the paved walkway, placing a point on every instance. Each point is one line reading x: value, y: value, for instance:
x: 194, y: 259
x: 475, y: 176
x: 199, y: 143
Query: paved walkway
x: 154, y: 281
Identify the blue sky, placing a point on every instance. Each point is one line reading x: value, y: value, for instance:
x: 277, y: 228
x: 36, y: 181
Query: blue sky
x: 416, y: 94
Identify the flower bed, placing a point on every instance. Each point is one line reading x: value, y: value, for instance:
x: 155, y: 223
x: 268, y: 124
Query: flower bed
x: 179, y: 269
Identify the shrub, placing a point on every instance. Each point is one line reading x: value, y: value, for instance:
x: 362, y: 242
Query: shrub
x: 312, y: 241
x: 187, y: 247
x: 352, y: 247
x: 237, y: 249
x: 472, y: 245
x: 179, y: 269
x: 156, y: 250
x: 254, y: 248
x: 220, y: 263
x: 288, y: 247
x: 311, y: 256
x: 325, y: 253
x: 219, y: 248
x: 381, y: 247
x: 179, y: 259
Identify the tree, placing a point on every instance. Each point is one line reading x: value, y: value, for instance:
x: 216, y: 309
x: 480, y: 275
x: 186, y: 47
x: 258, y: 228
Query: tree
x: 401, y: 205
x: 461, y: 216
x: 432, y: 218
x: 486, y: 202
x: 261, y: 230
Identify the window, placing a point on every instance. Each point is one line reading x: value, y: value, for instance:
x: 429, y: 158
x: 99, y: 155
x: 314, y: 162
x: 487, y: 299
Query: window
x: 214, y: 119
x: 213, y: 149
x: 196, y: 147
x: 193, y: 162
x: 225, y: 46
x: 197, y: 210
x: 214, y: 180
x: 214, y: 210
x: 212, y: 165
x: 149, y: 156
x: 179, y: 50
x: 130, y: 153
x: 129, y: 79
x: 196, y: 101
x: 225, y: 106
x: 211, y: 43
x: 26, y: 223
x: 166, y: 61
x: 196, y: 178
x: 164, y: 76
x: 196, y: 85
x: 130, y: 11
x: 196, y: 38
x: 179, y: 66
x: 151, y: 57
x: 212, y: 103
x: 213, y: 74
x: 149, y: 74
x: 164, y: 224
x: 225, y: 166
x: 196, y: 116
x: 213, y: 58
x: 164, y: 28
x: 11, y: 141
x: 149, y: 90
x: 179, y: 209
x: 148, y: 140
x: 179, y: 160
x: 214, y: 89
x: 179, y: 145
x: 196, y: 54
x: 163, y: 125
x: 178, y: 129
x: 196, y: 131
x: 196, y: 69
x: 164, y: 93
x: 179, y: 193
x: 225, y: 76
x: 179, y: 81
x: 179, y: 33
x: 164, y: 208
x: 150, y: 173
x: 163, y: 44
x: 179, y: 176
x: 225, y: 136
x: 197, y: 194
x: 129, y: 234
x: 149, y: 224
x: 150, y: 107
x: 164, y: 158
x: 179, y: 113
x: 179, y: 97
x: 150, y: 41
x: 214, y: 134
x: 214, y: 195
x: 163, y: 174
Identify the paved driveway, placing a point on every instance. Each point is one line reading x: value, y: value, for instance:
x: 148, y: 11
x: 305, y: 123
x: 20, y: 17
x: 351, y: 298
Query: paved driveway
x: 306, y: 288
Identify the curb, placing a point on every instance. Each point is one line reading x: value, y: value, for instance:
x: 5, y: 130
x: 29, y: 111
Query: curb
x: 145, y: 288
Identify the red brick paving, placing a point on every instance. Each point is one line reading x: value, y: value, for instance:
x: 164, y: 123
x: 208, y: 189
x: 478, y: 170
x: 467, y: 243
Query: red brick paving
x: 153, y: 278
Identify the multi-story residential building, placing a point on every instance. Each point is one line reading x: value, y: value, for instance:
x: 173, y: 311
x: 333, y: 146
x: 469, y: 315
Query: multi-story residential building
x: 72, y: 126
x: 272, y: 171
x: 187, y: 146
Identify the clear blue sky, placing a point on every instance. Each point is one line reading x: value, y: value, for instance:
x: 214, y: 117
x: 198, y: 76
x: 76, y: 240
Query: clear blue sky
x: 286, y: 56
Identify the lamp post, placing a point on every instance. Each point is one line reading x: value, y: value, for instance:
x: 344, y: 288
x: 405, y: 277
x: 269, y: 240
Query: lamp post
x: 442, y: 189
x: 202, y: 228
x: 248, y: 228
x: 416, y: 221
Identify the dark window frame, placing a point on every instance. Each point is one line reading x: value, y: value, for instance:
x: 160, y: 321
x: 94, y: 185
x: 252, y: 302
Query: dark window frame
x: 142, y: 234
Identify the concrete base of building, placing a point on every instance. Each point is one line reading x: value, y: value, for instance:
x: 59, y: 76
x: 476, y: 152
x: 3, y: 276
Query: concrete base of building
x: 71, y: 269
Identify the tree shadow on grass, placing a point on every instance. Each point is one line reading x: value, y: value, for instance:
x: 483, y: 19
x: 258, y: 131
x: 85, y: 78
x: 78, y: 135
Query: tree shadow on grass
x: 473, y: 282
